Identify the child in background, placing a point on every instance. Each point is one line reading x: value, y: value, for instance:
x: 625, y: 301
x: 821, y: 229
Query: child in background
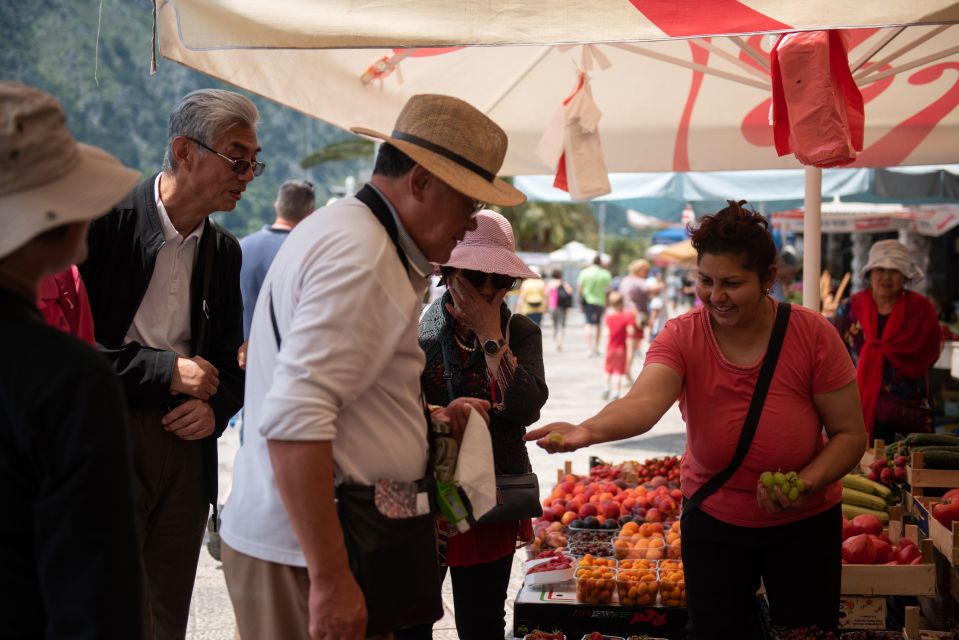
x: 624, y: 337
x: 658, y: 309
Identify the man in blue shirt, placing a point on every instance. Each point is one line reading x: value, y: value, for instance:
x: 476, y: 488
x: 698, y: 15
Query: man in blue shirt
x: 294, y: 202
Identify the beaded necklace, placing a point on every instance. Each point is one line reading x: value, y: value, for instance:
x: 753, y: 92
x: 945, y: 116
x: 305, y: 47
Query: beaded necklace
x: 462, y: 345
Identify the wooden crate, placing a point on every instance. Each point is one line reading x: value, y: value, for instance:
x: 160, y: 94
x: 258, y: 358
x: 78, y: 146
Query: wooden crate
x: 919, y: 478
x: 913, y: 630
x: 944, y: 540
x: 893, y: 580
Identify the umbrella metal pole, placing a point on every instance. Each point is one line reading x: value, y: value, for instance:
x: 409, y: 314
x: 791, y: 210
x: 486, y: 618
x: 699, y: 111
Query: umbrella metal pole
x: 602, y: 228
x: 812, y: 239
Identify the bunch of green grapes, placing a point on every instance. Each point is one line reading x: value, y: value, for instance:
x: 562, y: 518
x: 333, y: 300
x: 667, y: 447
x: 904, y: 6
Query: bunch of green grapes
x: 791, y: 485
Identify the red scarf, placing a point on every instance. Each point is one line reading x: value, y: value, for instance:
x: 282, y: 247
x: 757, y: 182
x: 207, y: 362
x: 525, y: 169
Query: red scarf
x: 911, y: 341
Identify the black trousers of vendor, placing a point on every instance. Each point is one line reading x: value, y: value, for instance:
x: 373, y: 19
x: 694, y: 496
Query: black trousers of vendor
x: 800, y: 565
x: 170, y: 497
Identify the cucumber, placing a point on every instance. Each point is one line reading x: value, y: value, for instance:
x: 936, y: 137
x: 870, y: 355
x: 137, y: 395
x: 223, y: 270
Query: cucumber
x: 860, y: 499
x: 940, y: 459
x: 851, y: 511
x: 861, y: 483
x: 930, y: 439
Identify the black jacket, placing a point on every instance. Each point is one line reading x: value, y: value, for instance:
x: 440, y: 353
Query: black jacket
x: 123, y: 249
x: 68, y: 542
x: 526, y: 395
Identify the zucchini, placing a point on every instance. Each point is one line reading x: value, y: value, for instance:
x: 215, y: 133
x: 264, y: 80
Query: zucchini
x: 851, y: 511
x: 861, y: 483
x: 930, y: 439
x: 858, y: 498
x: 940, y: 459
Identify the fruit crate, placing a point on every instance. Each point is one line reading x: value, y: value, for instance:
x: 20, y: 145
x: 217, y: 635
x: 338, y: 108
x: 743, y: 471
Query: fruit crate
x: 919, y: 478
x: 893, y: 580
x: 876, y: 452
x: 913, y: 630
x: 945, y: 541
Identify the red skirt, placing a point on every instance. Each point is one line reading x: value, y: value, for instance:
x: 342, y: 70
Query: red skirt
x: 487, y: 542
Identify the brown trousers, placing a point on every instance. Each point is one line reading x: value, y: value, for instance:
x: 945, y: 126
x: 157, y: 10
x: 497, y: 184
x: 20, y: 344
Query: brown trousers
x: 270, y: 600
x: 171, y: 511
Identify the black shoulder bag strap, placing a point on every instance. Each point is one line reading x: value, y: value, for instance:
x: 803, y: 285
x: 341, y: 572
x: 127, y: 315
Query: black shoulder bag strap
x: 752, y: 416
x: 372, y: 199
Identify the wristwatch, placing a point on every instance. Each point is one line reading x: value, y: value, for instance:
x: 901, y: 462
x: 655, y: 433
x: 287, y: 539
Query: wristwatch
x: 493, y: 347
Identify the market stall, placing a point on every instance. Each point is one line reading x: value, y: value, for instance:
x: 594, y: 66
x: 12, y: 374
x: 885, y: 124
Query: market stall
x: 606, y: 555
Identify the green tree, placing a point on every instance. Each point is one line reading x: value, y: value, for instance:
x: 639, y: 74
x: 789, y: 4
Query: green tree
x: 546, y: 226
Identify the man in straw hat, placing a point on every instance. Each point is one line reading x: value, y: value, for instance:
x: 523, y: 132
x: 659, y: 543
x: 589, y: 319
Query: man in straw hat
x: 163, y: 281
x: 71, y: 560
x: 333, y: 383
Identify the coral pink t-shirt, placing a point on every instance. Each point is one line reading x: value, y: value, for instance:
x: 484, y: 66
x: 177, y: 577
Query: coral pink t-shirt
x: 716, y: 395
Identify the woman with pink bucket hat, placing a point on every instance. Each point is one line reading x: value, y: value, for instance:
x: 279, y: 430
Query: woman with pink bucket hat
x: 474, y: 347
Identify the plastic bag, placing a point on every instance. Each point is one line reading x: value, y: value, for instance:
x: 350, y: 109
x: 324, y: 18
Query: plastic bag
x: 817, y: 109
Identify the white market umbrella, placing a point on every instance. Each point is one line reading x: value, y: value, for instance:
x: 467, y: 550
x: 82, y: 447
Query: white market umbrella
x: 575, y: 253
x: 674, y: 95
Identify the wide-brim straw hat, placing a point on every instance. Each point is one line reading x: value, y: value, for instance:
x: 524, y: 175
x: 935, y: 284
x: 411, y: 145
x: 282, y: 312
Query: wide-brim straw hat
x: 455, y: 142
x: 47, y: 179
x: 490, y: 248
x: 892, y: 254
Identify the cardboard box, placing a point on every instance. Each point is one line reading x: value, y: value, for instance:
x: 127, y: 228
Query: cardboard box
x: 548, y: 609
x: 862, y: 612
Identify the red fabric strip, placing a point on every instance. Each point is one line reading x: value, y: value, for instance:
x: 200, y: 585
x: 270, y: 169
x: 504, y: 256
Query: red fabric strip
x: 705, y: 17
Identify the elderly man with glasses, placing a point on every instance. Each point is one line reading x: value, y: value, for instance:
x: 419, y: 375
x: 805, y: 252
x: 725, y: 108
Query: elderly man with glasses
x: 164, y: 286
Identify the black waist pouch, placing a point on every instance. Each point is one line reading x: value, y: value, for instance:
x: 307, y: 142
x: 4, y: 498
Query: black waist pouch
x: 394, y: 560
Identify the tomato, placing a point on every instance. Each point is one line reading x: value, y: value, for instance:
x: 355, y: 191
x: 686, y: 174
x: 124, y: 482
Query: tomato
x: 946, y: 512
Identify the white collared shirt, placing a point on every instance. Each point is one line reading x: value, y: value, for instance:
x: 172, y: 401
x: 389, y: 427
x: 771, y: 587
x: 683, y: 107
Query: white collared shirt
x: 163, y: 319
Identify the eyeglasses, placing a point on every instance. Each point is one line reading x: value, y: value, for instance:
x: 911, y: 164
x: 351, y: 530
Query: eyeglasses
x: 500, y: 281
x: 240, y: 167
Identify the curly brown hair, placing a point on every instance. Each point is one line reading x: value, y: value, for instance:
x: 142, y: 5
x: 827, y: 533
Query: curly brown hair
x: 737, y: 230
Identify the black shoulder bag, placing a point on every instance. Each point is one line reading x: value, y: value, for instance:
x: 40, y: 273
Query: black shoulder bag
x: 517, y: 494
x: 385, y: 552
x: 752, y: 416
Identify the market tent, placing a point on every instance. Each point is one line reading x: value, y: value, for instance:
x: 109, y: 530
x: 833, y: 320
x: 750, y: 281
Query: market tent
x: 665, y: 195
x: 681, y: 252
x: 575, y: 253
x: 669, y: 236
x: 672, y: 104
x: 708, y: 97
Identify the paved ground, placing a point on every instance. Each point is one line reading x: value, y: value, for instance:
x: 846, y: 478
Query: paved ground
x: 575, y: 383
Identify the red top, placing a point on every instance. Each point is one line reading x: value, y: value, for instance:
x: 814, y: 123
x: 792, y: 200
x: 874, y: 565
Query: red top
x: 716, y: 395
x: 63, y: 302
x: 618, y: 324
x: 487, y: 542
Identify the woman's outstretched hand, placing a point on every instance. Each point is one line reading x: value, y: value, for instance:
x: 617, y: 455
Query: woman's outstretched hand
x: 560, y: 436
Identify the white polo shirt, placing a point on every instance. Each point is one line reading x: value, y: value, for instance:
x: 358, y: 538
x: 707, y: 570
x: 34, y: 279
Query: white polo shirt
x: 163, y: 319
x: 348, y: 371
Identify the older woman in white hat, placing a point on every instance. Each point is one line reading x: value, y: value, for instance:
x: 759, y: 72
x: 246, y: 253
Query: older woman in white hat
x: 894, y: 338
x: 475, y: 348
x: 69, y: 539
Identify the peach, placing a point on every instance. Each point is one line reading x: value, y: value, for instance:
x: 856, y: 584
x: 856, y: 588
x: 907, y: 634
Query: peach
x: 568, y: 517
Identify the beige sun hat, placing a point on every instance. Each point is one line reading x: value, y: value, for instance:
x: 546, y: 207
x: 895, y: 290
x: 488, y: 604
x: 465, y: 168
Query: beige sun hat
x: 892, y: 254
x: 455, y: 142
x: 47, y: 179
